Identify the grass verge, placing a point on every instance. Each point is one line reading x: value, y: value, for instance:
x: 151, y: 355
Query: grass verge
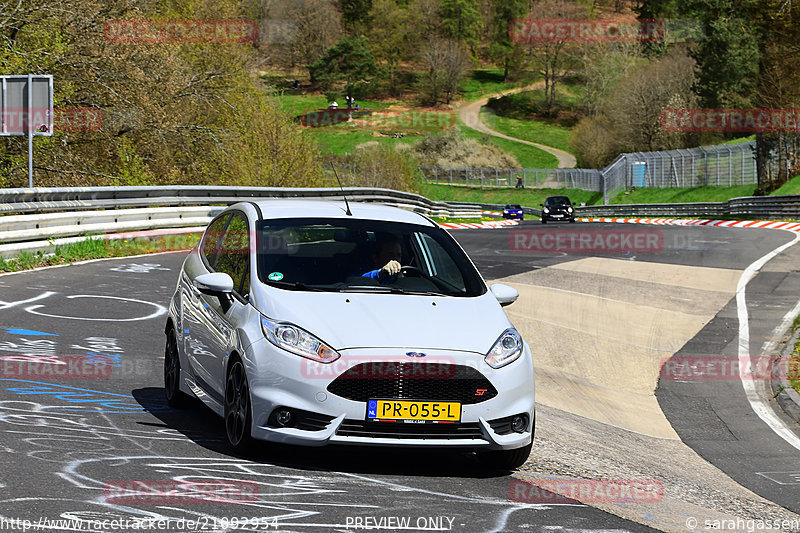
x: 790, y: 187
x: 652, y: 195
x: 528, y: 156
x: 794, y: 365
x: 97, y: 248
x: 529, y: 130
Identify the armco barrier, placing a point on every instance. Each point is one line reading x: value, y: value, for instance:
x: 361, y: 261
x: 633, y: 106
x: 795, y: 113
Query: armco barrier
x: 34, y: 220
x: 757, y: 207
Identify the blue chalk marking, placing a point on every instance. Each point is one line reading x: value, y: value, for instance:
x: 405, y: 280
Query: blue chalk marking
x: 15, y: 331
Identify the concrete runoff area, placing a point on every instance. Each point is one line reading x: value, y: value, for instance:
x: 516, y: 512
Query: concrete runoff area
x: 599, y: 356
x: 599, y: 330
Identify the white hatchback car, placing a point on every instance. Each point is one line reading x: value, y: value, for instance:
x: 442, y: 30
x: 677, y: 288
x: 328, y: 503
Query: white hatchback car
x: 307, y: 323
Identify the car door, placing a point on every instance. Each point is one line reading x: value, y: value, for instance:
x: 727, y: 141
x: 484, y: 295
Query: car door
x: 233, y: 259
x: 225, y: 249
x: 197, y: 319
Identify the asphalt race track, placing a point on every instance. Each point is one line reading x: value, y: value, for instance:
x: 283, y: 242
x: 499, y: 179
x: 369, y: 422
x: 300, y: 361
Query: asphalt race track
x: 66, y: 440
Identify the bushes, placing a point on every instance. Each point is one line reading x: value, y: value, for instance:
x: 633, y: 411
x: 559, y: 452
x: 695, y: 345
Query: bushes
x: 451, y: 150
x: 380, y: 165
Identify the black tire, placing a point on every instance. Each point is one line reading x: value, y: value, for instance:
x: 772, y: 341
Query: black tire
x: 238, y: 413
x: 544, y: 220
x: 172, y: 372
x: 507, y: 459
x: 572, y: 221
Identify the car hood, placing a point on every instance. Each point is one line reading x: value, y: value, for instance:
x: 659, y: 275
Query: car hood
x: 359, y: 320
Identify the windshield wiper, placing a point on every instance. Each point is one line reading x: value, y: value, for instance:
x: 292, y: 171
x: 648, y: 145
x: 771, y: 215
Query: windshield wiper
x: 391, y: 290
x: 295, y: 285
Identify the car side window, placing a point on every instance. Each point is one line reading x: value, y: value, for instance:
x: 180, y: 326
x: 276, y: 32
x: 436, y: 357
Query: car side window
x: 234, y: 254
x: 439, y: 263
x: 213, y: 238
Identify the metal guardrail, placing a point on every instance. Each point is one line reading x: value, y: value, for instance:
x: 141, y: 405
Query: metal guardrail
x: 42, y: 200
x: 756, y: 207
x: 35, y: 219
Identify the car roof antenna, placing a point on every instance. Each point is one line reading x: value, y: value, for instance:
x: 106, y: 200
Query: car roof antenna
x: 347, y: 212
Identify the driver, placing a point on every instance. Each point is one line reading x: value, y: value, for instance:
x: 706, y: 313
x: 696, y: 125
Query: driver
x: 385, y: 261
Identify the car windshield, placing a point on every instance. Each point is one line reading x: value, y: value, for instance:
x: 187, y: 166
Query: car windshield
x: 557, y: 200
x: 513, y: 206
x: 347, y: 255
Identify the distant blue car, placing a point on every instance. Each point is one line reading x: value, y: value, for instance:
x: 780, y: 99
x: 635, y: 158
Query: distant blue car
x: 513, y: 211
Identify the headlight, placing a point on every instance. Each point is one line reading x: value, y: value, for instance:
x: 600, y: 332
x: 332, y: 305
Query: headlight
x: 298, y: 341
x: 546, y: 209
x: 569, y: 209
x: 506, y: 349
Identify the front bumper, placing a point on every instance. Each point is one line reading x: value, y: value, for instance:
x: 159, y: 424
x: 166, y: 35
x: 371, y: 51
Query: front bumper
x: 280, y: 379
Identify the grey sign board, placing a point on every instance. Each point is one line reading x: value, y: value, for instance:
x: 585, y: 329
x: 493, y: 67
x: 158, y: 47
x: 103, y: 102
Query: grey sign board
x: 26, y: 105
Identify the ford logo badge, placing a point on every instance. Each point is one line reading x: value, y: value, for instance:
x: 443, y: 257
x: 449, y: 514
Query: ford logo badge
x: 415, y: 354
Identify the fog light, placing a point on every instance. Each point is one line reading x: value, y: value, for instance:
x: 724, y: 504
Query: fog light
x: 519, y: 423
x: 284, y: 417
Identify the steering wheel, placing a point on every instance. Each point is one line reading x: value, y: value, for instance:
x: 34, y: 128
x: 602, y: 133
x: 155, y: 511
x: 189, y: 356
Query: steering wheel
x: 408, y: 269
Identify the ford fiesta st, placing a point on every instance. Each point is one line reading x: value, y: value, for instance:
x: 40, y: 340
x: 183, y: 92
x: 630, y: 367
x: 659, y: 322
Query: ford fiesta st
x: 309, y: 323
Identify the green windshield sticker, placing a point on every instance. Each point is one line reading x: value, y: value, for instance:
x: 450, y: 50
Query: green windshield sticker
x: 275, y: 276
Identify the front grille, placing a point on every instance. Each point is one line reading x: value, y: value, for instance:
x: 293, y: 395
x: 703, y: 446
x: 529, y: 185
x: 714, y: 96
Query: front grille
x: 413, y: 381
x: 393, y: 430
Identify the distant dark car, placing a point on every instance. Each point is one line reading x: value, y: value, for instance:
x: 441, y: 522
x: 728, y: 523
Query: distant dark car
x: 513, y: 211
x: 557, y: 208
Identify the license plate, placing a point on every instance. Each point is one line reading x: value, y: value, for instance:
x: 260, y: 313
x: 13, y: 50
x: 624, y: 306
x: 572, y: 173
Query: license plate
x: 403, y: 410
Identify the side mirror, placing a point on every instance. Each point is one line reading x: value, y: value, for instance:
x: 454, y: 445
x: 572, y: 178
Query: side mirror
x: 505, y: 295
x: 541, y: 205
x: 214, y: 284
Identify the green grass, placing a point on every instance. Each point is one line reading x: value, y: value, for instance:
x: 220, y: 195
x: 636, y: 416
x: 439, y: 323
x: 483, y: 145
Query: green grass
x: 345, y: 142
x: 297, y: 104
x: 524, y: 197
x: 529, y: 130
x: 487, y: 81
x: 651, y: 195
x: 790, y: 187
x: 96, y: 248
x: 794, y: 366
x: 741, y: 140
x: 528, y: 156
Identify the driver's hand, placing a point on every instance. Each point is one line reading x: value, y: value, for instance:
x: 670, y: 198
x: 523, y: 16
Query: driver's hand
x: 392, y: 268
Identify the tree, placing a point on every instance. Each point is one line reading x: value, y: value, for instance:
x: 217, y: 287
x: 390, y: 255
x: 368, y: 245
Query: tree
x: 297, y: 32
x: 389, y: 36
x: 445, y: 61
x: 355, y: 13
x: 503, y: 13
x: 554, y: 57
x: 635, y: 104
x: 628, y: 119
x: 602, y: 67
x: 349, y: 60
x: 460, y: 20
